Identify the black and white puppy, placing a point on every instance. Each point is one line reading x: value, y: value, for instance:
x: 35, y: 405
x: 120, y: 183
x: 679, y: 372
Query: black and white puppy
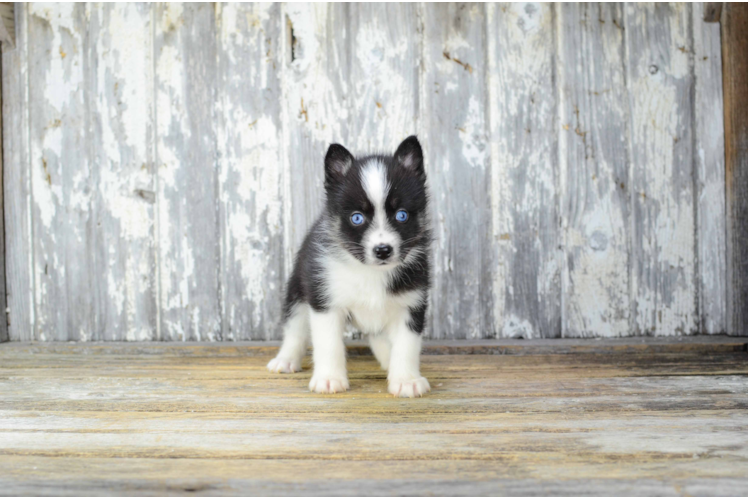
x: 365, y: 260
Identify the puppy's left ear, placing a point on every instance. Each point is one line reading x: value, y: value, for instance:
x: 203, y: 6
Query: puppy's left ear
x: 337, y: 163
x: 410, y: 155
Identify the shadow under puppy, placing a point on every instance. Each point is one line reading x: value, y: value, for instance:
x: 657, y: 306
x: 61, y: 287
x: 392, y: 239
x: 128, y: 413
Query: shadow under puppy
x: 365, y: 260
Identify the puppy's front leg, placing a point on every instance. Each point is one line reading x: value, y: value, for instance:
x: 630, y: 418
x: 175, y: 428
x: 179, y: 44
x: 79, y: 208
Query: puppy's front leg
x: 404, y: 377
x: 328, y: 352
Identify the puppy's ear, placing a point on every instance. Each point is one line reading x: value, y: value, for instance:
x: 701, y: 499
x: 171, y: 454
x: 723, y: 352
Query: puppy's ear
x: 410, y: 155
x: 337, y: 163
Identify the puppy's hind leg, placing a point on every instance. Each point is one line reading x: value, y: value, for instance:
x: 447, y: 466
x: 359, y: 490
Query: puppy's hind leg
x: 381, y: 346
x: 295, y: 339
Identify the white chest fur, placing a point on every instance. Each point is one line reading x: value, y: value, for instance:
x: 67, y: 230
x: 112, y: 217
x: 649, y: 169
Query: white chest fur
x: 361, y: 290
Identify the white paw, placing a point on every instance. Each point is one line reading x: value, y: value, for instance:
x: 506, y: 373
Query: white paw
x: 283, y: 365
x: 328, y: 385
x: 412, y: 388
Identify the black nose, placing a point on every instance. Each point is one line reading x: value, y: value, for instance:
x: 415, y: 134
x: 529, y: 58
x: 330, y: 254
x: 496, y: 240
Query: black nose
x: 383, y: 251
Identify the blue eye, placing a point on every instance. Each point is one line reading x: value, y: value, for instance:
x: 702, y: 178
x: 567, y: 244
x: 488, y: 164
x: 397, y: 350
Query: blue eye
x: 357, y: 219
x: 401, y: 216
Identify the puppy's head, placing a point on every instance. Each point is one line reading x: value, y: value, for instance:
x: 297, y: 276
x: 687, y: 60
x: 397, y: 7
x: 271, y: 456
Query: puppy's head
x: 378, y: 204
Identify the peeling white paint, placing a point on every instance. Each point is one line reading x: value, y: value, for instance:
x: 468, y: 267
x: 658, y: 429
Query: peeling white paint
x: 383, y: 75
x: 593, y: 172
x: 250, y: 170
x: 523, y: 170
x: 121, y: 111
x: 710, y: 173
x: 473, y: 136
x: 315, y: 110
x: 131, y: 69
x: 529, y: 16
x: 663, y: 286
x: 516, y: 328
x: 555, y: 259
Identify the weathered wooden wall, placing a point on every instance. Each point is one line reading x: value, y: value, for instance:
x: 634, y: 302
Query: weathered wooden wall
x: 735, y: 54
x: 163, y: 162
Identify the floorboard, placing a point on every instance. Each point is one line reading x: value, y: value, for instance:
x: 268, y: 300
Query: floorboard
x: 544, y: 418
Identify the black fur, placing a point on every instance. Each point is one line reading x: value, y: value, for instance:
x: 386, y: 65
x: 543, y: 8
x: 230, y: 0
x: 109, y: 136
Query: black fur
x: 417, y: 318
x: 304, y: 284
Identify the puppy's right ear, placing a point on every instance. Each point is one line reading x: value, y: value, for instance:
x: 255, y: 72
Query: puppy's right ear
x: 337, y: 163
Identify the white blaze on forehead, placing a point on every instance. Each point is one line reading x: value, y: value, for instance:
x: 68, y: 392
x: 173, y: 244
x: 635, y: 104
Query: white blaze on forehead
x: 374, y: 181
x: 377, y: 187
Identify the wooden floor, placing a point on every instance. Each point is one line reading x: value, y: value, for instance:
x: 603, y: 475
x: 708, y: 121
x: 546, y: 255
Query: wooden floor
x: 606, y: 418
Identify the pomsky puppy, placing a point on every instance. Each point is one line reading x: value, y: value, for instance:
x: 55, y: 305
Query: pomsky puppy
x: 364, y: 261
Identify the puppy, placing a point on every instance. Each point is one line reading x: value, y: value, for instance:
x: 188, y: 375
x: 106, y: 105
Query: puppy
x: 366, y: 261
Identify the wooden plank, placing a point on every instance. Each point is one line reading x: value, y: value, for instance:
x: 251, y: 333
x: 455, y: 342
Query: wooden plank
x: 177, y: 382
x: 712, y: 11
x: 385, y: 64
x: 248, y: 132
x: 503, y: 438
x: 660, y: 83
x: 7, y: 23
x: 202, y: 367
x: 246, y: 382
x: 316, y: 77
x: 3, y: 291
x: 593, y: 170
x: 709, y: 174
x: 455, y: 134
x: 249, y: 363
x: 187, y: 184
x: 524, y: 174
x: 735, y: 82
x: 673, y: 345
x: 19, y: 280
x: 120, y: 86
x: 144, y: 476
x: 61, y: 168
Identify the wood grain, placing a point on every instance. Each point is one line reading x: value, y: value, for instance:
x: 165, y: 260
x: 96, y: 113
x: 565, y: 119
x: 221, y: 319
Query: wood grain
x: 250, y: 186
x: 703, y: 345
x: 63, y: 220
x: 735, y: 82
x: 17, y: 197
x: 385, y: 76
x: 187, y: 184
x: 316, y: 87
x: 120, y: 85
x: 161, y: 422
x: 663, y: 261
x: 455, y: 131
x: 524, y: 170
x: 709, y: 174
x: 359, y: 478
x: 3, y: 294
x: 594, y: 170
